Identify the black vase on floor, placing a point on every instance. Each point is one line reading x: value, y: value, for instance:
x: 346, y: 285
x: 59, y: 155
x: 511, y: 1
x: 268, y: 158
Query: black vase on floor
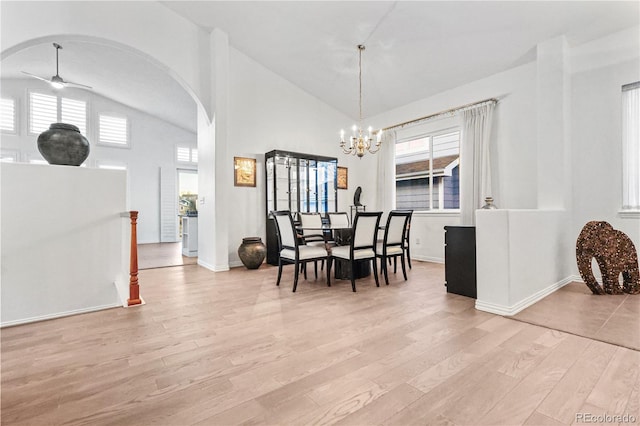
x: 252, y: 252
x: 63, y: 144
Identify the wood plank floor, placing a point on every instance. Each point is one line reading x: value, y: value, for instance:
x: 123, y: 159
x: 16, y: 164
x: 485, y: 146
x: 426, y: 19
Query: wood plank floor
x: 612, y: 318
x: 232, y: 348
x: 161, y: 255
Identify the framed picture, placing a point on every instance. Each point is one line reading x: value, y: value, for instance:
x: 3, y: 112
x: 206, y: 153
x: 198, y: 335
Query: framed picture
x: 343, y: 178
x: 244, y: 171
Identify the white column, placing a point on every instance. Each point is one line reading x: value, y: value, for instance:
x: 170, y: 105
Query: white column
x: 554, y: 124
x: 223, y: 164
x: 214, y: 164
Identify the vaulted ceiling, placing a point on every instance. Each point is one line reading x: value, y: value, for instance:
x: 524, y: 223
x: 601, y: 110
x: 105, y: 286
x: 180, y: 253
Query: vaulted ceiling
x: 414, y: 49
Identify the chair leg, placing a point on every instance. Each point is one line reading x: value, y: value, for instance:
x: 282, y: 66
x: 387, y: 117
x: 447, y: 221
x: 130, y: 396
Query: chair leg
x: 295, y: 279
x: 353, y: 275
x: 409, y: 255
x: 404, y: 269
x: 279, y: 271
x: 385, y: 270
x: 328, y: 280
x: 395, y: 264
x: 315, y: 268
x: 329, y: 261
x: 304, y: 268
x: 375, y: 271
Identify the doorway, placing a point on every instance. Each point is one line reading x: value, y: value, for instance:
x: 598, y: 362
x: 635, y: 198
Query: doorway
x: 164, y: 254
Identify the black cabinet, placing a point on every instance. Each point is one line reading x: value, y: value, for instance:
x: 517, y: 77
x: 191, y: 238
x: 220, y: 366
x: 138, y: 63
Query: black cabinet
x: 460, y: 260
x: 299, y: 183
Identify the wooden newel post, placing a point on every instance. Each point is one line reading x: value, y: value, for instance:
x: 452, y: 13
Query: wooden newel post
x: 134, y: 289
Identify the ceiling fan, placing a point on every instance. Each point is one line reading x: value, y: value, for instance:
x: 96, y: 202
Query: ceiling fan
x: 56, y: 81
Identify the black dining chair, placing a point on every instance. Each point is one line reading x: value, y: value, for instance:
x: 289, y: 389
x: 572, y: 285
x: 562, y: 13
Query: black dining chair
x: 292, y: 250
x: 393, y: 242
x: 407, y: 239
x: 312, y: 237
x: 362, y: 246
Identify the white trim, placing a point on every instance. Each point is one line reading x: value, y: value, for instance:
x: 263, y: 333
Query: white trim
x: 629, y: 214
x: 437, y: 213
x: 428, y: 259
x: 524, y: 303
x: 59, y: 315
x: 206, y: 265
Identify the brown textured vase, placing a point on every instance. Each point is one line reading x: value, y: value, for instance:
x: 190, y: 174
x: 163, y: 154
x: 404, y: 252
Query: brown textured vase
x: 63, y: 144
x: 252, y: 252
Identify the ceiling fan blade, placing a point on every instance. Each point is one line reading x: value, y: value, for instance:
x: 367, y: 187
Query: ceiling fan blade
x: 77, y: 84
x: 35, y: 76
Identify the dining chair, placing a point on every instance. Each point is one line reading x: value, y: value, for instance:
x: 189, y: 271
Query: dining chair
x: 361, y: 247
x: 393, y: 242
x: 407, y: 239
x: 312, y: 237
x: 338, y: 220
x: 291, y: 249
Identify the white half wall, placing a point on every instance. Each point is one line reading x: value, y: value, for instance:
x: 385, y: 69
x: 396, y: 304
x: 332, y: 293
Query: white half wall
x: 521, y: 256
x: 61, y: 240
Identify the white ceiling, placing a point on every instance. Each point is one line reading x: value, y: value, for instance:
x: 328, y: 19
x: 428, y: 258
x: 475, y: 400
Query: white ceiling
x: 414, y: 49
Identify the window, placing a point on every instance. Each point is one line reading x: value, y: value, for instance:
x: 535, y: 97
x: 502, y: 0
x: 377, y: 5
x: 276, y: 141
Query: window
x: 8, y: 156
x: 74, y: 112
x: 184, y: 154
x: 113, y: 130
x: 8, y: 115
x: 428, y: 172
x: 631, y: 146
x: 47, y: 109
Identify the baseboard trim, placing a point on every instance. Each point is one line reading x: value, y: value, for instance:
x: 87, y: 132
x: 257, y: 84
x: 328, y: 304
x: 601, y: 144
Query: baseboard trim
x: 59, y: 315
x: 524, y: 303
x: 428, y: 259
x: 205, y: 265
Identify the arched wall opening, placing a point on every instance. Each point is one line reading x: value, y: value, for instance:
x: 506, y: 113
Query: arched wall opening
x: 140, y: 80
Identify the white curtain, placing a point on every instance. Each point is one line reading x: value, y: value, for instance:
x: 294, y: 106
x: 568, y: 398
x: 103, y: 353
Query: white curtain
x: 386, y: 174
x: 475, y: 164
x: 631, y: 147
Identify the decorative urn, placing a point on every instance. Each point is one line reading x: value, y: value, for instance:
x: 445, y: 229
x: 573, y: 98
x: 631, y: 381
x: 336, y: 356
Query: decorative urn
x: 63, y: 144
x: 252, y: 252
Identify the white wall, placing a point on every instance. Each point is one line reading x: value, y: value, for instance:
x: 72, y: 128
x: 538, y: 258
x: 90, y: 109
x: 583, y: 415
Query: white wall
x: 520, y: 257
x: 61, y: 240
x: 513, y: 150
x: 267, y: 112
x: 603, y: 66
x: 153, y: 145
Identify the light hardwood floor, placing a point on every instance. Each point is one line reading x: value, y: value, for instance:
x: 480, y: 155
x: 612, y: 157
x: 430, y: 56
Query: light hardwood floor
x: 232, y: 348
x: 161, y: 255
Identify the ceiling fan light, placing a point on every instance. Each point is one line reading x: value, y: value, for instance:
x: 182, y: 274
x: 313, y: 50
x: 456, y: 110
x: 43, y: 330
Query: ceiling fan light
x: 57, y: 85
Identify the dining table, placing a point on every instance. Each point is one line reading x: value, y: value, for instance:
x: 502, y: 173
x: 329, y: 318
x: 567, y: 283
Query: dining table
x: 342, y: 236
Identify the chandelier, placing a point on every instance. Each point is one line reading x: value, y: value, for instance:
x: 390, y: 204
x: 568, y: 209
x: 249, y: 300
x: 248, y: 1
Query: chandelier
x: 360, y: 141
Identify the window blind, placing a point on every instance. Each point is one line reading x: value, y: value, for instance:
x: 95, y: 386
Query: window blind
x: 74, y: 112
x: 43, y: 110
x: 183, y: 154
x: 8, y: 115
x: 113, y: 130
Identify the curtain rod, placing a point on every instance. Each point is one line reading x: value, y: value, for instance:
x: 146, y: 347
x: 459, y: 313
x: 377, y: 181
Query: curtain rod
x: 448, y: 111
